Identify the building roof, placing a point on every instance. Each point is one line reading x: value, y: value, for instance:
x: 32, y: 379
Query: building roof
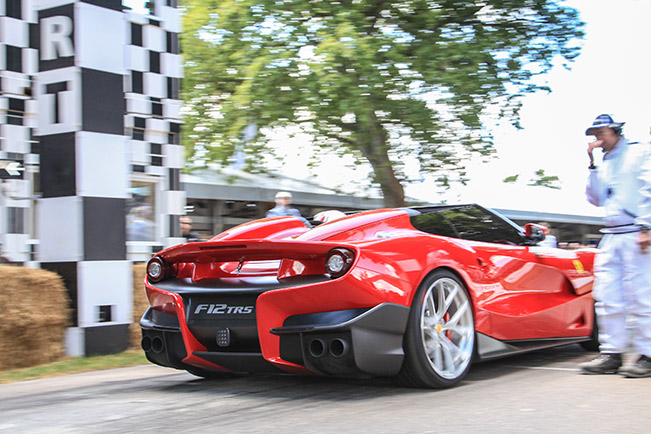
x: 536, y: 203
x: 517, y: 202
x: 232, y: 184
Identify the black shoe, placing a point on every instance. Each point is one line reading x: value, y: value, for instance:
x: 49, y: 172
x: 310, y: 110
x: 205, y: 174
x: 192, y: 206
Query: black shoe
x: 640, y: 369
x: 607, y: 363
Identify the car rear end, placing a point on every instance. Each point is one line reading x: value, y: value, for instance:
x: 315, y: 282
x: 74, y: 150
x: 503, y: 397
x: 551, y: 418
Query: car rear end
x: 272, y: 306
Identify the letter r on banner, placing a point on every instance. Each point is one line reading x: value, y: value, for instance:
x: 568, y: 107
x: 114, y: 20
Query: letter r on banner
x: 56, y: 37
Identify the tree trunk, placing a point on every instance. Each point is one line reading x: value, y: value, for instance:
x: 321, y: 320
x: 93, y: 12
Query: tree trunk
x: 375, y: 149
x: 392, y: 190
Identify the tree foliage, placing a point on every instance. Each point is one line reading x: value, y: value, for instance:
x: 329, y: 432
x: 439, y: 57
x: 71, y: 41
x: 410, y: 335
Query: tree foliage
x: 381, y: 80
x: 511, y: 179
x: 544, y: 180
x: 540, y: 179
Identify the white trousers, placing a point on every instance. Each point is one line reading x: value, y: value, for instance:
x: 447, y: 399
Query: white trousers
x: 622, y: 289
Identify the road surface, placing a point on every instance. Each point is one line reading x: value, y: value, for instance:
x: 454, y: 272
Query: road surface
x: 536, y: 392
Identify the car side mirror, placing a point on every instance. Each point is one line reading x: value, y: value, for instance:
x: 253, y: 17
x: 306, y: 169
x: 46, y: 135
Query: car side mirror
x: 534, y: 233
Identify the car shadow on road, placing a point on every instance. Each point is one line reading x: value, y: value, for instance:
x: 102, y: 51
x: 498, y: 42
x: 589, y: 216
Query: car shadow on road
x: 328, y: 388
x: 566, y: 357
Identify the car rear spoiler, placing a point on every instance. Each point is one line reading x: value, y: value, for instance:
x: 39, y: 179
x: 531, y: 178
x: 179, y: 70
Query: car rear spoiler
x: 246, y: 250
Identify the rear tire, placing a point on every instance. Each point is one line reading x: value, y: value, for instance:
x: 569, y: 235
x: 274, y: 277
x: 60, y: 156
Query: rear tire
x: 439, y: 342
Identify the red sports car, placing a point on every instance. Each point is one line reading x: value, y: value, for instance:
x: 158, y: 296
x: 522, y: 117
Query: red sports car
x: 418, y: 293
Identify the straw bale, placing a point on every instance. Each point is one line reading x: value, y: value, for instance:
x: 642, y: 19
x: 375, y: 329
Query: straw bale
x: 34, y: 316
x: 140, y: 303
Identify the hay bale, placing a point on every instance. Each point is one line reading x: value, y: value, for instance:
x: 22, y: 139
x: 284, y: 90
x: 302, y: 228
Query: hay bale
x: 140, y: 304
x: 34, y: 315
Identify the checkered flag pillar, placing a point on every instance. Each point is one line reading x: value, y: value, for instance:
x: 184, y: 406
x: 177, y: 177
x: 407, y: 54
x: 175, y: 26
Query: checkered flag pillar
x: 18, y: 64
x: 89, y: 105
x: 152, y: 121
x: 84, y: 176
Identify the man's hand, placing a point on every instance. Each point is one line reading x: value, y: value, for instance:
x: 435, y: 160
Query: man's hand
x: 644, y: 241
x: 591, y: 147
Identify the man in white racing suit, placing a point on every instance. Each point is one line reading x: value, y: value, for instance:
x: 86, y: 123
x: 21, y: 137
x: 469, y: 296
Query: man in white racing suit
x: 622, y: 184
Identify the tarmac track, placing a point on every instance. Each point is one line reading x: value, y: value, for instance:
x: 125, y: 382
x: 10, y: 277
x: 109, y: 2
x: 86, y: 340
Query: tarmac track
x: 536, y: 392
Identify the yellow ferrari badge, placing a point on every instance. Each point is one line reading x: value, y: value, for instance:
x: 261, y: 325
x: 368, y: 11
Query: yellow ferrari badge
x: 579, y: 266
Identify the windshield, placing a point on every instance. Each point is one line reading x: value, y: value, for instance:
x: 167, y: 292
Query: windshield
x: 468, y: 222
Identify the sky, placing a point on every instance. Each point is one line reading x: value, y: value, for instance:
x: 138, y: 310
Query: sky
x: 610, y: 76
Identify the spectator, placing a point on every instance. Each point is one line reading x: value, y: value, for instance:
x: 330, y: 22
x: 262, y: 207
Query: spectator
x: 186, y: 228
x: 623, y: 265
x: 140, y: 225
x: 283, y: 201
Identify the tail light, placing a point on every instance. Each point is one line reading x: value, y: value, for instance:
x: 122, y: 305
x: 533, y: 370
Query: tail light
x: 338, y: 262
x: 158, y: 269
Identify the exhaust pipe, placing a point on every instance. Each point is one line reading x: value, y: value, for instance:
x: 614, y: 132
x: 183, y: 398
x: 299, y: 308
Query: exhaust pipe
x: 317, y: 348
x: 339, y: 347
x: 157, y: 344
x: 145, y: 344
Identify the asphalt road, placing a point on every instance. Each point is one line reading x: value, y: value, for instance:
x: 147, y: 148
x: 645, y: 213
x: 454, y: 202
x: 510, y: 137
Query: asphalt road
x: 536, y: 392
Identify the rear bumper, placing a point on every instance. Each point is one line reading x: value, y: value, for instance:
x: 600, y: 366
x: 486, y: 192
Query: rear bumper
x: 343, y: 343
x: 161, y: 339
x: 350, y: 342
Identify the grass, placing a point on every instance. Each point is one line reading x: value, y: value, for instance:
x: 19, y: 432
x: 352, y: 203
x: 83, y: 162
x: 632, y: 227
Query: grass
x: 71, y: 365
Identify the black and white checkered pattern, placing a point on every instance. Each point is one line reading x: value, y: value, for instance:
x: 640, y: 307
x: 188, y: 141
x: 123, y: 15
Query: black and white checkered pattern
x: 152, y: 120
x: 18, y: 64
x: 64, y: 90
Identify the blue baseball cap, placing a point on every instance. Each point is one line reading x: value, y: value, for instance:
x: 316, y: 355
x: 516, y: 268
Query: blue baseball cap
x: 602, y: 121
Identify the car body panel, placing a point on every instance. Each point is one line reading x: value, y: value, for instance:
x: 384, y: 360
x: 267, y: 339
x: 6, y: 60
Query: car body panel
x: 257, y: 295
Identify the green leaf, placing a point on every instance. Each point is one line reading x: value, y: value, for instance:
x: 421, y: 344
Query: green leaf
x: 511, y: 179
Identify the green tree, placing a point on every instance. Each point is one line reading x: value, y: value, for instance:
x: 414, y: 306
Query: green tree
x: 381, y: 80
